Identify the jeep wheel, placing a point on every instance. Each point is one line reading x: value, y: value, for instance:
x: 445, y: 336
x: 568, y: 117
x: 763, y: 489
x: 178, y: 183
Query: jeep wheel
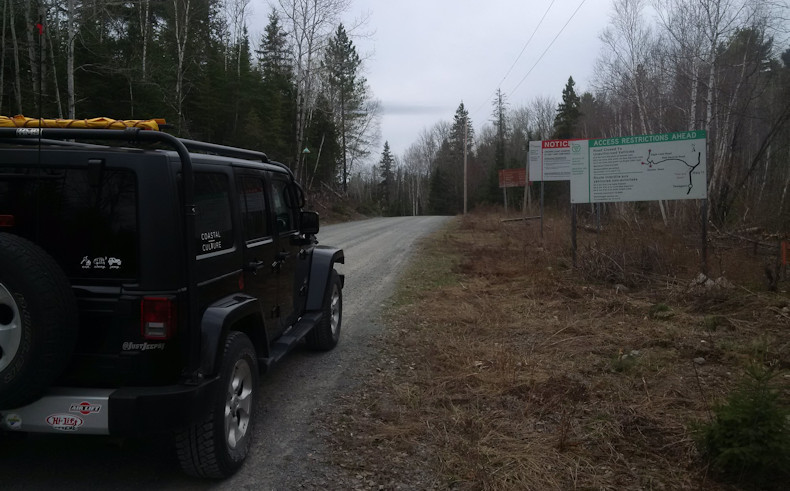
x: 326, y: 333
x: 38, y: 321
x: 217, y: 446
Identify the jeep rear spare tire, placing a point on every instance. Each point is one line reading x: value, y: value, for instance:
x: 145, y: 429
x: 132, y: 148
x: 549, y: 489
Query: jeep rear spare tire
x: 38, y: 321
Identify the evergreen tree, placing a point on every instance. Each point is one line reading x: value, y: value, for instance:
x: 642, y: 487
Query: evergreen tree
x: 500, y: 123
x: 387, y: 177
x: 450, y: 162
x: 439, y: 202
x: 342, y: 67
x: 322, y: 139
x: 277, y: 97
x: 461, y: 129
x: 568, y: 112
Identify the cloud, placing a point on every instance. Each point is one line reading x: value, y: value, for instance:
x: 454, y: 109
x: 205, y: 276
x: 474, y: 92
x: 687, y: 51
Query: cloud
x: 398, y: 109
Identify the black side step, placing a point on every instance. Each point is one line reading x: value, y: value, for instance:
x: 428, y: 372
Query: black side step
x: 289, y: 339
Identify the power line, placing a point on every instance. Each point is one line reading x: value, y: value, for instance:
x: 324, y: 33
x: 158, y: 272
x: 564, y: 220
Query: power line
x: 526, y: 44
x: 519, y: 55
x: 547, y: 47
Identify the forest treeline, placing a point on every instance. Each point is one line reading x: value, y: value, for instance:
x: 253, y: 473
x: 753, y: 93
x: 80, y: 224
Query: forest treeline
x: 722, y: 66
x: 297, y: 92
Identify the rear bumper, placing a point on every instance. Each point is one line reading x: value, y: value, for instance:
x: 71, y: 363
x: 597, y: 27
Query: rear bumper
x: 128, y: 411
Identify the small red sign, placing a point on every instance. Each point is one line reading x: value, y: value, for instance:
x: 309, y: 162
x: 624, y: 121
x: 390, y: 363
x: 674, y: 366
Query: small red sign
x: 85, y: 408
x: 513, y: 178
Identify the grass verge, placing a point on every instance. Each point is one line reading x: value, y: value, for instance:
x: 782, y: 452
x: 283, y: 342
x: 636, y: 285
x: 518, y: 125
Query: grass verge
x: 505, y: 368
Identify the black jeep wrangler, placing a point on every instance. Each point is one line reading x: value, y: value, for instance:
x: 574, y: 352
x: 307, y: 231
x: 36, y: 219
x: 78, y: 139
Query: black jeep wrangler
x: 145, y: 283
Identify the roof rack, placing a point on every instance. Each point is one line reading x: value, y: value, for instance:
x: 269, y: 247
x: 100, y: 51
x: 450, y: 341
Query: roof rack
x: 131, y: 126
x: 224, y: 150
x: 48, y: 141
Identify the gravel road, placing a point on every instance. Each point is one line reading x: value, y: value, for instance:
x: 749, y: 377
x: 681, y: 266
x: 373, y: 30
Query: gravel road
x: 287, y: 453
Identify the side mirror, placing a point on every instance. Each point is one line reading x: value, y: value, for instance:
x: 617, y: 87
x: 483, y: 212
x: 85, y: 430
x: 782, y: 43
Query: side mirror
x: 309, y: 222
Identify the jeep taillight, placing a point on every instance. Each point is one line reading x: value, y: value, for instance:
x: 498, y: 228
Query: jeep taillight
x: 6, y: 220
x: 158, y: 317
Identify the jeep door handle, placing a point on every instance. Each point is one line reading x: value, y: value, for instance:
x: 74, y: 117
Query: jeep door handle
x: 279, y: 259
x: 253, y: 266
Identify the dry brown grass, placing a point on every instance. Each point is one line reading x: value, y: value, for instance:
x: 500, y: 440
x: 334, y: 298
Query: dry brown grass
x: 505, y: 368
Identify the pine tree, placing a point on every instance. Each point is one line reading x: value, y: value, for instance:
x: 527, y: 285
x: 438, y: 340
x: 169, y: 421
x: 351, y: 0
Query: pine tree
x: 448, y: 176
x: 277, y: 100
x: 462, y: 129
x: 439, y: 202
x: 342, y: 67
x: 500, y: 122
x: 387, y: 177
x: 273, y: 56
x: 568, y: 112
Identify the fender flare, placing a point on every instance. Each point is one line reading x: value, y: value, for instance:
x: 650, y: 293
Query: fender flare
x: 220, y: 317
x: 324, y: 259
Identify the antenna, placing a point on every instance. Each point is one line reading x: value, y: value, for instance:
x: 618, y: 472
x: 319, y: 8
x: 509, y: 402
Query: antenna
x: 40, y: 27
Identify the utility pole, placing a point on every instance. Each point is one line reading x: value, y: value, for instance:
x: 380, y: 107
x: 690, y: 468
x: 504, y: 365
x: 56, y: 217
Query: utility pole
x: 466, y: 119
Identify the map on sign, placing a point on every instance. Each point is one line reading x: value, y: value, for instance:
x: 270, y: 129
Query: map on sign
x: 639, y: 168
x: 654, y: 162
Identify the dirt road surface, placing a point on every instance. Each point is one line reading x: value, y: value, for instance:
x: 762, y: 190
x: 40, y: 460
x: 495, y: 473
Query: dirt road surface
x: 288, y: 452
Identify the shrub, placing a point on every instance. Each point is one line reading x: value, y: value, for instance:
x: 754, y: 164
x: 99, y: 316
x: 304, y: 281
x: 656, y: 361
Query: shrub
x: 749, y: 436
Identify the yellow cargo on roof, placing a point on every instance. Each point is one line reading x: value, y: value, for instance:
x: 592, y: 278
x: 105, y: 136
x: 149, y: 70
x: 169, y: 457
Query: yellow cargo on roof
x: 20, y: 121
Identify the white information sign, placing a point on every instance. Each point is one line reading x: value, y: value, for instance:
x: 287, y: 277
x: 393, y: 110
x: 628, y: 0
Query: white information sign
x: 535, y: 173
x: 556, y: 160
x: 639, y: 168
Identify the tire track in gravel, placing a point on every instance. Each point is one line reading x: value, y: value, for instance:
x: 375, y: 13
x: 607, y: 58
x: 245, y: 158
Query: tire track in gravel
x: 287, y: 451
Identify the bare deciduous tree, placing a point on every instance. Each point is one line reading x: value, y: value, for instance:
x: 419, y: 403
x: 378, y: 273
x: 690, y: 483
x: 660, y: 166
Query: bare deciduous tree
x: 544, y: 110
x: 309, y: 22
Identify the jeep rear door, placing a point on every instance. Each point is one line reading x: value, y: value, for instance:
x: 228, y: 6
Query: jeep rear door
x: 286, y: 231
x: 260, y: 250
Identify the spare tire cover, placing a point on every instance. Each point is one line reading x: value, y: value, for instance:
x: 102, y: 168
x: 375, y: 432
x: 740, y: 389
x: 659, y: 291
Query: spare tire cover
x: 38, y: 321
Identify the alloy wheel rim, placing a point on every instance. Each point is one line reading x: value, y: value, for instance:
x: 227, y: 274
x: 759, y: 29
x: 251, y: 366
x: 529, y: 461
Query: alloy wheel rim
x: 238, y: 404
x: 334, y: 309
x: 10, y: 328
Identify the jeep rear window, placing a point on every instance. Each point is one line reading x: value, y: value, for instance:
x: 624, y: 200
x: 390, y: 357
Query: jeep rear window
x: 85, y: 218
x: 213, y: 225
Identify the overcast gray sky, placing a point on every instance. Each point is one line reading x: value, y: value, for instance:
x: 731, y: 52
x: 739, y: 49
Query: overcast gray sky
x: 423, y: 57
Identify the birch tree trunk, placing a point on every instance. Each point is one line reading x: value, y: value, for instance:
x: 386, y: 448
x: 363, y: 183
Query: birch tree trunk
x: 71, y: 37
x: 56, y: 87
x: 15, y: 48
x: 181, y: 22
x: 145, y: 28
x: 31, y: 49
x: 310, y: 21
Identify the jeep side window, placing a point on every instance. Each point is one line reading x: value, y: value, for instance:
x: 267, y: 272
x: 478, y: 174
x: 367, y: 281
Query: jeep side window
x: 213, y: 225
x: 88, y: 226
x: 253, y: 209
x: 284, y: 214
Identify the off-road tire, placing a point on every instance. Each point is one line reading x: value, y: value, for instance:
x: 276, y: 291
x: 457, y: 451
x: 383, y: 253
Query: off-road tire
x: 205, y: 449
x: 325, y: 335
x: 38, y: 321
